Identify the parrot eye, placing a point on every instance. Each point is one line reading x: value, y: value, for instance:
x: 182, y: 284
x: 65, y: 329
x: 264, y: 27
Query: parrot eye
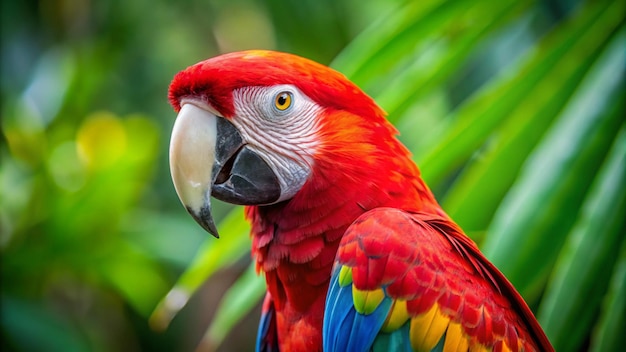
x: 283, y: 100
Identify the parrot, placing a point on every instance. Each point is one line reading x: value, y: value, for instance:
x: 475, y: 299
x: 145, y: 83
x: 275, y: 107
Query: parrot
x: 356, y: 252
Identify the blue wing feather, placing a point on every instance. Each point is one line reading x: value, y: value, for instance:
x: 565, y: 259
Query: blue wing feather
x: 345, y: 329
x: 337, y: 311
x: 265, y: 338
x: 365, y: 328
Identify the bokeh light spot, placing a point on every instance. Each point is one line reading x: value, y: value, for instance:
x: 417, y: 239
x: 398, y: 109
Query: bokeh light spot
x: 102, y: 140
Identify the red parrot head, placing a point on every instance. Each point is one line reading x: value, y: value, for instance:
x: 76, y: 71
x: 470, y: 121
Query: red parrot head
x: 253, y: 126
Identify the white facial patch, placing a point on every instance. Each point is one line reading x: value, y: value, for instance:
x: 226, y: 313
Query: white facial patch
x: 285, y: 139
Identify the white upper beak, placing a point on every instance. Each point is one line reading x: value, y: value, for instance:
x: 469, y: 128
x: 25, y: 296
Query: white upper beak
x: 192, y: 154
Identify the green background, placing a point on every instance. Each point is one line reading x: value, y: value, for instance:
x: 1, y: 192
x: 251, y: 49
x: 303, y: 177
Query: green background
x: 514, y: 111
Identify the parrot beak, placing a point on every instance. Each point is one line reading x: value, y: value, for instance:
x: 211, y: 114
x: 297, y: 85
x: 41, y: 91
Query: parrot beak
x: 208, y: 156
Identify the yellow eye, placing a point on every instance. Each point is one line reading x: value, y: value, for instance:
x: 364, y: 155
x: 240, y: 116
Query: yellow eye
x: 283, y: 101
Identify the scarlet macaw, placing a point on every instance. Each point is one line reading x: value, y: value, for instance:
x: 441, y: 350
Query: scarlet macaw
x: 357, y: 253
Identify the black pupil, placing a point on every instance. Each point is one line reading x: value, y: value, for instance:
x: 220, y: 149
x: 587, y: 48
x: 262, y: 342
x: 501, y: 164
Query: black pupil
x: 282, y: 99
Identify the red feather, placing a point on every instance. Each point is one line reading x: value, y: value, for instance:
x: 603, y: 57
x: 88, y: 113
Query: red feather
x: 215, y: 79
x: 358, y: 166
x: 446, y: 269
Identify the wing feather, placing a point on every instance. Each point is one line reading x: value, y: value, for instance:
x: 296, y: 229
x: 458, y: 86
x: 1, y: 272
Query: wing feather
x: 344, y: 328
x: 267, y: 340
x: 438, y: 290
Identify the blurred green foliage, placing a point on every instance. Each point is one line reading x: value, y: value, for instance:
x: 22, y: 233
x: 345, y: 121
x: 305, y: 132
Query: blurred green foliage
x: 514, y: 111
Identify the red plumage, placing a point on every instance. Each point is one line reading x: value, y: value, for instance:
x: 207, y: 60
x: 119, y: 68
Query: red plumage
x: 359, y: 167
x: 436, y: 271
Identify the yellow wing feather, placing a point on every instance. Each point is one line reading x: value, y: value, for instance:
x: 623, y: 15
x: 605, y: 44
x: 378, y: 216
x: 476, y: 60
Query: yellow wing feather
x: 427, y: 329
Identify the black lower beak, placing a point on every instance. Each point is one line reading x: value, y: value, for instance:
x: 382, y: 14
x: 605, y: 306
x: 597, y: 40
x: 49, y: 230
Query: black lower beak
x: 240, y: 175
